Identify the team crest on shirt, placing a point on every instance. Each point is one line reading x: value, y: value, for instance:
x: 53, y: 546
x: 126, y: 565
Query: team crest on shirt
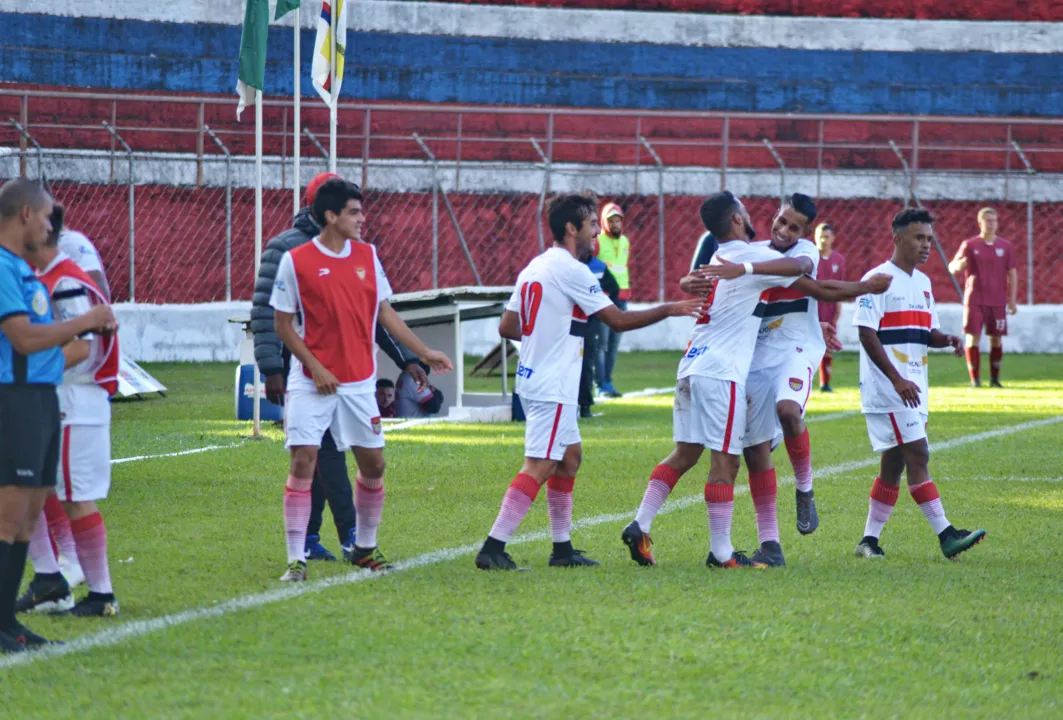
x: 834, y: 267
x: 796, y: 384
x: 377, y: 425
x: 926, y: 294
x: 360, y: 272
x: 1000, y: 252
x: 40, y: 302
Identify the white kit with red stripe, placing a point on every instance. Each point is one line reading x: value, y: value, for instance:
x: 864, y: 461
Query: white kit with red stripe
x: 553, y: 297
x: 903, y: 318
x: 84, y: 395
x: 710, y: 401
x: 789, y: 349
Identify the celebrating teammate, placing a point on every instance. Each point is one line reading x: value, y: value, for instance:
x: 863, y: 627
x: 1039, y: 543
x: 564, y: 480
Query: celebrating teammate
x: 554, y: 296
x: 710, y: 400
x: 337, y: 288
x: 91, y: 378
x: 990, y: 264
x: 894, y: 385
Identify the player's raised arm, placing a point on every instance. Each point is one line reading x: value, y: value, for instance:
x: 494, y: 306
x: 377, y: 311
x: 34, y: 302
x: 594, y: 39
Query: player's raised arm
x: 838, y: 290
x: 624, y: 320
x: 784, y: 267
x: 395, y: 325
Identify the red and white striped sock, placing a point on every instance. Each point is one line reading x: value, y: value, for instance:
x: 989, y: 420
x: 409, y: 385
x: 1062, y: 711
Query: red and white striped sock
x: 296, y: 515
x: 763, y: 489
x: 59, y: 528
x: 559, y: 507
x: 926, y: 496
x: 90, y: 538
x: 369, y: 509
x: 720, y: 502
x: 515, y: 505
x: 663, y: 480
x: 800, y: 451
x: 40, y: 550
x: 883, y: 498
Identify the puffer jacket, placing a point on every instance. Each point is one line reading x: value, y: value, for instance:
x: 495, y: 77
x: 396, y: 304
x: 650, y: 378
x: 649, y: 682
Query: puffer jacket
x: 270, y: 354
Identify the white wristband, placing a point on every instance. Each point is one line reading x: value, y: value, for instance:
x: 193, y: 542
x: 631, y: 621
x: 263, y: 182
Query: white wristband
x: 748, y: 268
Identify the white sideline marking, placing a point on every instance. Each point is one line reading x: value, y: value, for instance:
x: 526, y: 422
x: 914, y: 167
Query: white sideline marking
x: 208, y: 448
x: 145, y: 627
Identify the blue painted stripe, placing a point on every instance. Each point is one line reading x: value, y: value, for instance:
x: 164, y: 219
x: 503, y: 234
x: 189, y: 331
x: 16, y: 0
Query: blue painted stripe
x: 202, y: 58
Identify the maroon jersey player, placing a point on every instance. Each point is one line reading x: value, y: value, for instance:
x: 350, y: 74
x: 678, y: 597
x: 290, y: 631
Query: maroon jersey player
x: 831, y: 267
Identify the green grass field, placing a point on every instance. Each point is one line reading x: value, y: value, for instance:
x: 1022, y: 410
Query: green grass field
x: 828, y: 636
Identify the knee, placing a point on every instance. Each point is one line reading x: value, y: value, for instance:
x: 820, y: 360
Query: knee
x: 996, y: 341
x: 917, y: 455
x: 570, y: 465
x: 790, y: 419
x: 758, y: 457
x: 304, y: 460
x: 372, y: 468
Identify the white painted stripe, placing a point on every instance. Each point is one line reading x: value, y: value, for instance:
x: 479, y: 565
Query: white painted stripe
x: 139, y: 628
x: 195, y: 451
x: 573, y: 25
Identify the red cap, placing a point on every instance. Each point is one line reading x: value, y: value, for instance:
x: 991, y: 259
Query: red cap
x: 311, y: 189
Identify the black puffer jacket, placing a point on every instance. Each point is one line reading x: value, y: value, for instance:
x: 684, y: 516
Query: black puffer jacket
x: 270, y: 354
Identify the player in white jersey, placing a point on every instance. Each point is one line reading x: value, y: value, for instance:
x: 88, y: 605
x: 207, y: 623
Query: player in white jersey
x: 553, y: 297
x: 80, y: 249
x: 710, y: 401
x: 895, y: 331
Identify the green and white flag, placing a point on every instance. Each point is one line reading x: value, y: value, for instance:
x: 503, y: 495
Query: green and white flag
x: 252, y: 72
x: 284, y: 7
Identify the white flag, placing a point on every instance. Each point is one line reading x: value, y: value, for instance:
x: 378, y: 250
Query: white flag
x: 327, y: 80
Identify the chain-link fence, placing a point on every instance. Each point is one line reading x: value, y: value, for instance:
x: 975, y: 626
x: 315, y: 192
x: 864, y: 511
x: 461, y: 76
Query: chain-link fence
x: 180, y: 229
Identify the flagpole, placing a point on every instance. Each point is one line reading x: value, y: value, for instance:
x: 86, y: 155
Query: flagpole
x: 256, y: 430
x: 335, y: 20
x: 297, y: 129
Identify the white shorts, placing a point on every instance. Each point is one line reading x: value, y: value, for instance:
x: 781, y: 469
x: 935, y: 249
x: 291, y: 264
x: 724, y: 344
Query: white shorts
x: 710, y: 413
x: 767, y: 387
x: 888, y: 430
x: 84, y: 463
x: 353, y: 419
x: 549, y: 428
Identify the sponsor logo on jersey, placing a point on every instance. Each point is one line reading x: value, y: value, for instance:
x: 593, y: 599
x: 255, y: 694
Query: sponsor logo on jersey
x: 595, y: 289
x: 796, y: 384
x: 696, y: 351
x: 377, y: 425
x: 280, y: 285
x: 523, y: 371
x: 360, y: 272
x: 903, y: 357
x: 912, y: 424
x: 866, y: 302
x: 322, y: 272
x: 775, y: 324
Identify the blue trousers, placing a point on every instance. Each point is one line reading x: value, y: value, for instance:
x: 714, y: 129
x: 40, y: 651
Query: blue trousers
x: 608, y: 342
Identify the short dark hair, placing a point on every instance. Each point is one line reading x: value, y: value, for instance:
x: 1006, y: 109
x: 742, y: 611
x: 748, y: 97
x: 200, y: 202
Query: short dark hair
x: 804, y: 205
x: 384, y: 383
x: 569, y: 208
x: 334, y: 195
x: 58, y: 215
x: 910, y: 216
x: 716, y: 213
x: 17, y: 194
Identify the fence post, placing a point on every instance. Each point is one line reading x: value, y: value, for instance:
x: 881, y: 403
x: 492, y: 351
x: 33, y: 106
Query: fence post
x: 132, y: 212
x: 228, y: 213
x: 435, y: 210
x: 782, y: 170
x: 318, y: 145
x: 542, y: 192
x: 660, y: 216
x: 1029, y: 220
x: 24, y: 118
x: 37, y: 146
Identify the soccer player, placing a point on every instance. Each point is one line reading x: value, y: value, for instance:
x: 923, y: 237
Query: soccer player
x: 76, y: 246
x: 553, y: 297
x: 831, y: 267
x: 337, y: 288
x: 990, y: 264
x: 31, y: 365
x: 89, y: 382
x: 895, y: 331
x: 710, y: 402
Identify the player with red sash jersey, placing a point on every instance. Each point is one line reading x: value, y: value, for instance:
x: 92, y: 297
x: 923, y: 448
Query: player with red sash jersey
x: 552, y: 300
x: 91, y: 378
x: 327, y: 298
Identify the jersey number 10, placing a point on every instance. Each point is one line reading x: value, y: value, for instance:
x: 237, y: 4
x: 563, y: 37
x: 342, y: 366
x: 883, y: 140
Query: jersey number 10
x: 531, y: 296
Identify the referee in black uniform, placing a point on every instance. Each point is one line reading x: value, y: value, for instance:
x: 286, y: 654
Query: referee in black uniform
x: 31, y: 366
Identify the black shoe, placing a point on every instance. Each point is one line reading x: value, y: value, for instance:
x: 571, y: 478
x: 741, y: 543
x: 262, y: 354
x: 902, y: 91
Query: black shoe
x: 769, y: 554
x: 826, y: 388
x: 95, y: 605
x: 9, y: 645
x: 29, y: 639
x: 737, y: 560
x: 995, y: 383
x: 953, y: 541
x: 46, y: 593
x: 639, y: 543
x: 807, y: 517
x: 499, y: 560
x: 585, y: 411
x: 976, y: 383
x: 869, y: 548
x: 574, y: 559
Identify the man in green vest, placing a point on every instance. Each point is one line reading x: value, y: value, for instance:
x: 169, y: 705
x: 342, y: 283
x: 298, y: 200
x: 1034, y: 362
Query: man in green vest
x: 613, y: 250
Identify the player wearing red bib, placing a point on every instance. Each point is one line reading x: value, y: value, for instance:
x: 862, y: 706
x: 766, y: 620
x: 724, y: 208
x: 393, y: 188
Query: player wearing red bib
x: 710, y: 408
x: 90, y: 379
x: 327, y: 298
x: 895, y: 331
x: 553, y: 297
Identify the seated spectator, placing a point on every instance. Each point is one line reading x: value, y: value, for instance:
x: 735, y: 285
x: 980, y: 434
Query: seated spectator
x: 385, y: 398
x: 412, y: 402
